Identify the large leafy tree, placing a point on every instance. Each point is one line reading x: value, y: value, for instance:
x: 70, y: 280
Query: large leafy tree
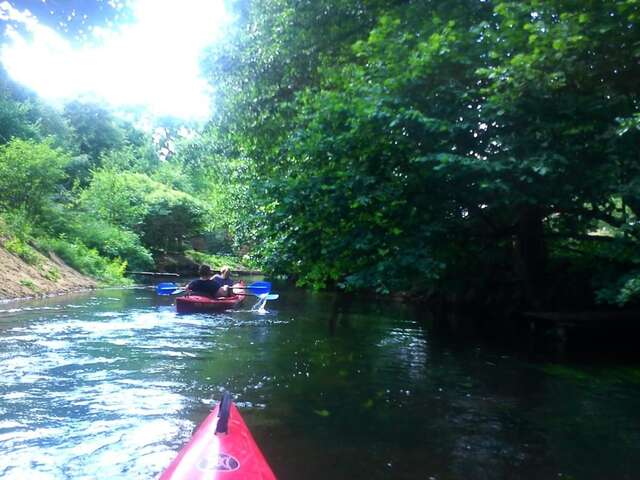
x: 554, y: 92
x: 451, y: 144
x: 346, y: 151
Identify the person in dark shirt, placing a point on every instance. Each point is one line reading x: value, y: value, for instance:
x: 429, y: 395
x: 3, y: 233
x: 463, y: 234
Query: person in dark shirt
x: 207, y: 284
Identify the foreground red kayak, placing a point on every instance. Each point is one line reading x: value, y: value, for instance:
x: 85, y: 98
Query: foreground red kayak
x: 221, y: 448
x: 203, y: 304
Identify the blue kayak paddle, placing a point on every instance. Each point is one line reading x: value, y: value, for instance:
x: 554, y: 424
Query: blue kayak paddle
x: 257, y: 288
x: 166, y: 288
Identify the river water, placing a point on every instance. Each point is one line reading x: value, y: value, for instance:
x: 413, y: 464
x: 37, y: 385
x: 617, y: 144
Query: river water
x: 110, y: 384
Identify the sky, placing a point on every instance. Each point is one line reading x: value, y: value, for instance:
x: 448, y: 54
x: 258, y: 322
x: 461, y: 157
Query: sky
x: 127, y: 54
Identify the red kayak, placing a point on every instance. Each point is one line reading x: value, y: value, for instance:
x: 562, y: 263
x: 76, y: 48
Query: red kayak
x: 204, y: 304
x: 221, y: 448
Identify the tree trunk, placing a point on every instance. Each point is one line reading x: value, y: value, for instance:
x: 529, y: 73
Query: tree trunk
x: 531, y: 256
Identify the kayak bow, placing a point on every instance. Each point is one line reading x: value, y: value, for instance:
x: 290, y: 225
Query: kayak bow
x: 221, y: 448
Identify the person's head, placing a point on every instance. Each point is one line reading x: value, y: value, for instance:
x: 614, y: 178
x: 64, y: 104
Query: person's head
x: 205, y: 271
x: 225, y: 272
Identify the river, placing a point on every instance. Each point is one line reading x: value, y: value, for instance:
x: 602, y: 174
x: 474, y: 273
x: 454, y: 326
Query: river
x: 111, y: 383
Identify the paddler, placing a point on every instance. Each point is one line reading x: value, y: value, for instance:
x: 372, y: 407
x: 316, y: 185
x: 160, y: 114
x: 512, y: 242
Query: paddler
x: 208, y: 284
x: 226, y: 282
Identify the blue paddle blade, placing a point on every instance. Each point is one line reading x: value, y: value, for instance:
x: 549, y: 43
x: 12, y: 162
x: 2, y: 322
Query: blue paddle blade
x: 258, y: 288
x: 165, y: 288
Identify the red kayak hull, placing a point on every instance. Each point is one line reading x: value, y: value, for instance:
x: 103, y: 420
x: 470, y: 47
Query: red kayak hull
x: 230, y: 456
x: 202, y: 304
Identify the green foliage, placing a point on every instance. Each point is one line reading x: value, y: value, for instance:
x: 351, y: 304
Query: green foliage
x: 171, y: 174
x: 94, y: 129
x: 17, y: 223
x: 116, y: 220
x: 29, y: 284
x: 87, y: 260
x: 162, y: 216
x: 14, y: 119
x: 52, y: 274
x: 218, y: 178
x: 456, y: 145
x: 16, y: 111
x: 109, y: 240
x: 21, y: 249
x: 215, y: 261
x: 621, y: 290
x: 132, y: 158
x: 30, y: 174
x: 431, y: 145
x: 171, y: 217
x: 629, y: 290
x: 118, y: 197
x: 340, y: 190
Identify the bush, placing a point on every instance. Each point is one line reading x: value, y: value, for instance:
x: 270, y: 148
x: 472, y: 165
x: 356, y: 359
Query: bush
x: 30, y: 285
x: 52, y: 274
x: 87, y: 260
x: 111, y: 241
x: 622, y: 291
x: 17, y: 223
x: 22, y: 250
x: 118, y: 197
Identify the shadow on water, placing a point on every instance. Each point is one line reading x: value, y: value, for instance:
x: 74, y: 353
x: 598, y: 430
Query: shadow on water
x: 112, y: 383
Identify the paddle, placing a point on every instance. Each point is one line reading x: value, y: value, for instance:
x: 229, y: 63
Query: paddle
x: 256, y: 288
x: 166, y: 288
x: 269, y: 296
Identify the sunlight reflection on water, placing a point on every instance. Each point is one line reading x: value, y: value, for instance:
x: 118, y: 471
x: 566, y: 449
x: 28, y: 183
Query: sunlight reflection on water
x: 88, y: 381
x: 78, y: 402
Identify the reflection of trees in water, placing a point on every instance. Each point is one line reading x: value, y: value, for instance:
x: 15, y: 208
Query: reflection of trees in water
x: 387, y: 397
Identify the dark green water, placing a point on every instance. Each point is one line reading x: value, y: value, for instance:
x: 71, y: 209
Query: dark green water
x: 110, y: 384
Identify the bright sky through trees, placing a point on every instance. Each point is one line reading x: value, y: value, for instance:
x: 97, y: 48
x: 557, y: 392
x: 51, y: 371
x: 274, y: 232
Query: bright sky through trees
x: 151, y: 61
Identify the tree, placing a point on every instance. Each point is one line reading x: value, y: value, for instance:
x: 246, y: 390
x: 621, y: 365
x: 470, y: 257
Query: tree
x: 171, y: 218
x: 95, y: 133
x: 162, y: 216
x: 31, y: 173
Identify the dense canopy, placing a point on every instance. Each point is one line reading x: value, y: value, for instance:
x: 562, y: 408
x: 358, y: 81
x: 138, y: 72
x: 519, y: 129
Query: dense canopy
x: 481, y: 150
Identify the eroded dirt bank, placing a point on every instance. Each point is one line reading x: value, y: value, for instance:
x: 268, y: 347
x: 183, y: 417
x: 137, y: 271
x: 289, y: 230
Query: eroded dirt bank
x: 47, y: 275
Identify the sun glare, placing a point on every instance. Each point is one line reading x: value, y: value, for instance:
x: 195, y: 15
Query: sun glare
x: 151, y: 63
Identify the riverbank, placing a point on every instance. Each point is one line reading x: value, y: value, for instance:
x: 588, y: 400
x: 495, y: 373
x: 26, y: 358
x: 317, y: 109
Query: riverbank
x: 42, y: 275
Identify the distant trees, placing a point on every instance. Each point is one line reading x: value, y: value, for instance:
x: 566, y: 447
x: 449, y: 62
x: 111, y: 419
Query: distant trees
x: 162, y: 216
x: 93, y: 129
x: 91, y: 187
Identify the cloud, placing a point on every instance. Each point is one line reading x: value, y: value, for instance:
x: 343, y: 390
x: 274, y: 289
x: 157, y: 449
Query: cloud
x: 152, y: 62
